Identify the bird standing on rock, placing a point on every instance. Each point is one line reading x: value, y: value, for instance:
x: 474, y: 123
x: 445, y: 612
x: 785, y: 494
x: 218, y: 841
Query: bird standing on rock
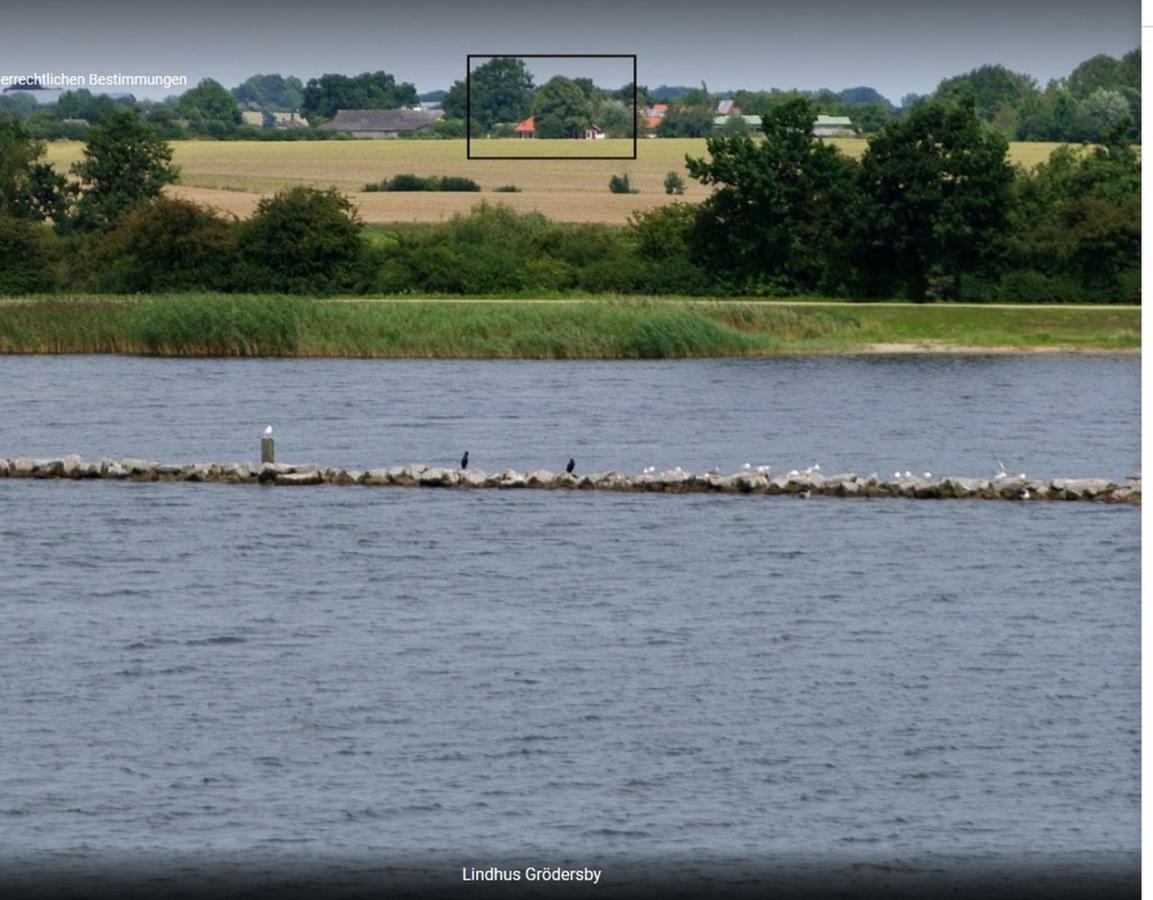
x: 464, y: 460
x: 571, y: 465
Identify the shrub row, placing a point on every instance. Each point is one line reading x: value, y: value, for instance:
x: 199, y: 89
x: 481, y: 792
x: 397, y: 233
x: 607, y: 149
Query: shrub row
x: 410, y: 182
x: 307, y: 241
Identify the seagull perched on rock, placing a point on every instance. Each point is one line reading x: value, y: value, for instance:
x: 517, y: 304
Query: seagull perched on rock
x: 1002, y: 473
x: 763, y: 470
x: 908, y: 474
x: 927, y: 475
x: 793, y: 473
x: 649, y: 470
x: 268, y: 431
x: 745, y: 467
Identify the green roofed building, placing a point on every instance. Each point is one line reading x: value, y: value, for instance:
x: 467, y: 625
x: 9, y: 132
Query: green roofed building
x: 834, y: 126
x: 825, y: 126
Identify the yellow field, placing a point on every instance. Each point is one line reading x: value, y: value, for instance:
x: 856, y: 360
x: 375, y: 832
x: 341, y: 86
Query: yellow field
x: 233, y: 175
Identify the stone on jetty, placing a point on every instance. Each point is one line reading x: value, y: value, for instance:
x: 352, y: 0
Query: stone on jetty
x: 511, y: 478
x: 377, y: 477
x: 540, y: 478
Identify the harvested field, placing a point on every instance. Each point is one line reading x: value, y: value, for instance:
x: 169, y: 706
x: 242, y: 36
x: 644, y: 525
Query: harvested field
x: 232, y: 175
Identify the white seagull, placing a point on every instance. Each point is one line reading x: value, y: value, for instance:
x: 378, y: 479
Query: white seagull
x: 268, y: 431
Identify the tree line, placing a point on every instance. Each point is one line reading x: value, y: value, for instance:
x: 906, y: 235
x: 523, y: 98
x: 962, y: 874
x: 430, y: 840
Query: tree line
x: 933, y: 210
x: 1091, y: 101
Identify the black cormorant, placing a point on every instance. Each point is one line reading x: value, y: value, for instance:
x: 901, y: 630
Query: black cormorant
x: 464, y: 460
x: 571, y: 465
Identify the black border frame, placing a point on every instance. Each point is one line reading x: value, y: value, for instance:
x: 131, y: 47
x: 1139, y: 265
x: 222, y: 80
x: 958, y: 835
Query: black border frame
x: 468, y: 100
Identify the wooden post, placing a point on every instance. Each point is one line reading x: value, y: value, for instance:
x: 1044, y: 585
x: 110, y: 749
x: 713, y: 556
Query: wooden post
x: 267, y: 450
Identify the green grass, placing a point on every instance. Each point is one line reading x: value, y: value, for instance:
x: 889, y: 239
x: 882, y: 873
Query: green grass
x: 624, y: 328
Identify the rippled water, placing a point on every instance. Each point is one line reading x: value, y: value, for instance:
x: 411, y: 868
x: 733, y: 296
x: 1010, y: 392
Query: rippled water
x: 349, y: 677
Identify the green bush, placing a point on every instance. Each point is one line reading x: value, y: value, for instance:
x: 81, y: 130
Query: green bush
x: 303, y: 240
x: 507, y: 189
x: 457, y: 183
x: 409, y: 182
x: 619, y: 184
x: 27, y: 252
x: 674, y: 184
x: 168, y: 244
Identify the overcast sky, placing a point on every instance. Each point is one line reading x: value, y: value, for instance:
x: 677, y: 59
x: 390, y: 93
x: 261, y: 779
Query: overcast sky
x: 896, y: 46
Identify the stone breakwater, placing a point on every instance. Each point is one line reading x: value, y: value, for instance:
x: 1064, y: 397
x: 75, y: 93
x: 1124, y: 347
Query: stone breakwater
x: 673, y: 481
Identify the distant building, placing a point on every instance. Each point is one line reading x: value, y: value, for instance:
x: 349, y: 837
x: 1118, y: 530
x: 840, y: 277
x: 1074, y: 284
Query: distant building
x: 382, y: 123
x: 752, y: 122
x: 255, y: 118
x: 42, y: 95
x: 728, y: 108
x: 834, y: 126
x: 825, y: 126
x: 654, y: 115
x: 526, y: 131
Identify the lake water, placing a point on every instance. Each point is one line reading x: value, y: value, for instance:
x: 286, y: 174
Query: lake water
x: 367, y: 687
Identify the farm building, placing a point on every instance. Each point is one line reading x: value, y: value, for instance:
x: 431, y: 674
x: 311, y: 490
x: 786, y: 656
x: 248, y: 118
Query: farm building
x: 654, y: 115
x: 834, y: 126
x: 255, y: 118
x: 825, y: 126
x: 728, y: 108
x: 753, y: 122
x: 382, y: 123
x: 526, y: 130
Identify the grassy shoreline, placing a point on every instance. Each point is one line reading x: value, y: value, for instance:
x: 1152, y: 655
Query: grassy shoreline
x: 620, y: 328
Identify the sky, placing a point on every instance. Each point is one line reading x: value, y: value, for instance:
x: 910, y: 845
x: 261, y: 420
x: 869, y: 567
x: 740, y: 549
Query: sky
x: 895, y: 46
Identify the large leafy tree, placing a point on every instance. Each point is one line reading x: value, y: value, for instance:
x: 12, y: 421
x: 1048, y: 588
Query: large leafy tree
x: 273, y: 93
x: 325, y: 95
x: 209, y: 105
x: 501, y: 91
x: 777, y: 220
x: 990, y: 88
x: 29, y: 189
x: 560, y: 108
x: 938, y: 191
x: 124, y: 165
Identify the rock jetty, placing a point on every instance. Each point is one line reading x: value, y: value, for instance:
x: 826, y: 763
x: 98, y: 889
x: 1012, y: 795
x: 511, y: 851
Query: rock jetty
x: 673, y: 481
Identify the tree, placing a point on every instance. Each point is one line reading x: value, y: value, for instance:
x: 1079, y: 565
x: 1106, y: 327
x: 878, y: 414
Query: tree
x: 29, y: 189
x: 616, y: 118
x: 989, y: 87
x: 302, y: 240
x: 777, y: 219
x: 863, y: 96
x: 560, y: 108
x: 125, y: 164
x: 271, y: 93
x: 1095, y: 73
x: 82, y: 104
x: 325, y: 95
x: 455, y: 102
x: 1104, y: 110
x: 687, y: 121
x: 500, y: 91
x: 939, y: 192
x: 210, y: 106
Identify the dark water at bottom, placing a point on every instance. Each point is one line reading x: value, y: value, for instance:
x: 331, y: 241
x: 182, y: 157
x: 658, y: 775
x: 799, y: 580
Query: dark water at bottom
x: 253, y: 680
x: 205, y: 686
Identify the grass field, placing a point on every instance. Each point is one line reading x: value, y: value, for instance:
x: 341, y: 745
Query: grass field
x: 233, y: 175
x: 221, y: 325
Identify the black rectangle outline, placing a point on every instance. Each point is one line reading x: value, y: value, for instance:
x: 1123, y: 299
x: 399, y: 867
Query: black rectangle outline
x: 468, y: 100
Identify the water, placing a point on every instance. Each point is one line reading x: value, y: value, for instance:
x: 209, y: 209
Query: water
x: 347, y: 683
